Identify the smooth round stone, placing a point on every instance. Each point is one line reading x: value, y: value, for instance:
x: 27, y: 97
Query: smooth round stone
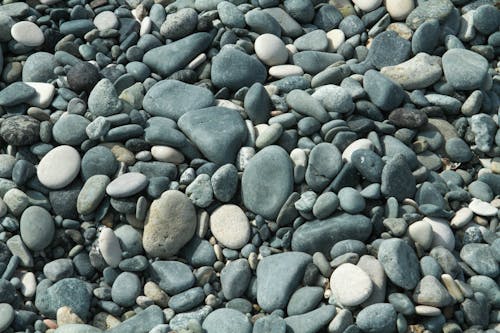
x: 443, y: 235
x: 6, y: 316
x: 458, y: 150
x: 225, y: 182
x: 400, y: 263
x: 271, y: 50
x: 179, y: 24
x: 335, y: 37
x: 431, y: 292
x: 351, y: 200
x: 127, y: 185
x: 464, y: 69
x: 103, y: 99
x: 399, y: 9
x: 27, y: 33
x: 334, y: 98
x: 58, y: 269
x: 20, y: 130
x: 367, y: 5
x: 481, y: 190
x: 326, y: 204
x: 463, y: 216
x: 37, y: 228
x: 350, y: 285
x: 480, y: 258
x: 109, y: 246
x: 126, y: 288
x: 482, y: 208
x: 7, y: 163
x: 83, y: 77
x: 421, y: 233
x: 106, y: 20
x: 227, y: 321
x: 70, y: 129
x: 356, y: 145
x: 39, y: 67
x: 304, y: 299
x: 313, y: 41
x: 59, y: 167
x: 235, y: 277
x: 486, y: 19
x: 325, y: 162
x: 377, y: 318
x: 230, y: 226
x: 171, y: 223
x: 91, y: 194
x: 281, y: 71
x: 167, y: 154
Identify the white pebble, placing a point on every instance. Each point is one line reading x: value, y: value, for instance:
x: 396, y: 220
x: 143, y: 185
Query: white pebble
x: 335, y: 38
x: 27, y: 33
x: 399, y: 9
x: 281, y: 71
x: 482, y: 208
x: 109, y: 245
x: 271, y: 50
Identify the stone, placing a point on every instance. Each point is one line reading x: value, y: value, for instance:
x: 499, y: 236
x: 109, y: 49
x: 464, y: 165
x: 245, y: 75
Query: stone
x: 312, y: 321
x: 37, y: 228
x: 39, y: 67
x: 313, y: 41
x: 92, y: 194
x: 126, y: 185
x: 200, y: 191
x: 218, y: 132
x: 44, y: 94
x: 225, y: 182
x: 179, y: 24
x: 325, y: 162
x: 480, y: 258
x: 375, y: 271
x: 83, y: 77
x: 321, y: 235
x: 230, y: 226
x: 305, y: 104
x: 235, y: 278
x: 59, y: 167
x: 483, y: 127
x: 235, y: 69
x: 377, y: 318
x: 168, y: 59
x: 334, y: 98
x: 367, y: 6
x: 261, y: 22
x: 350, y: 285
x: 6, y: 316
x: 143, y: 322
x: 486, y: 19
x: 464, y: 69
x: 172, y: 99
x: 435, y: 9
x: 98, y: 160
x: 458, y: 150
x: 419, y: 72
x: 103, y: 99
x: 388, y: 49
x: 20, y: 130
x: 368, y: 164
x: 277, y: 278
x: 429, y: 291
x: 16, y: 93
x: 325, y: 205
x: 172, y: 276
x: 482, y: 208
x: 70, y: 129
x: 351, y: 200
x: 27, y: 33
x: 227, y: 321
x: 170, y: 224
x: 400, y: 263
x: 303, y: 300
x: 408, y: 118
x: 399, y: 10
x: 271, y: 50
x: 383, y: 92
x: 271, y: 323
x: 167, y: 154
x: 106, y: 20
x: 125, y: 289
x: 58, y: 269
x: 109, y: 246
x: 257, y: 104
x: 267, y: 181
x: 421, y: 233
x: 77, y: 328
x: 397, y: 179
x: 186, y: 300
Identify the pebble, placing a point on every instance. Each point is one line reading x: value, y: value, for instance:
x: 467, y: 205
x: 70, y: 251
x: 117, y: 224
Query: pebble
x: 312, y: 321
x: 351, y: 200
x: 27, y: 33
x: 20, y: 130
x: 480, y: 258
x: 400, y: 263
x: 59, y: 167
x: 419, y: 72
x: 271, y: 50
x: 383, y: 92
x: 103, y: 99
x: 399, y: 10
x: 458, y: 150
x: 235, y: 278
x: 170, y: 224
x: 350, y: 285
x: 377, y: 318
x: 106, y: 20
x: 482, y: 208
x: 325, y: 162
x: 37, y: 228
x: 127, y: 185
x: 421, y: 232
x: 92, y: 194
x: 464, y: 69
x: 109, y: 246
x: 397, y: 179
x: 225, y: 182
x: 431, y: 292
x: 6, y: 316
x: 271, y: 323
x: 227, y: 321
x: 435, y: 9
x: 179, y: 24
x: 230, y: 227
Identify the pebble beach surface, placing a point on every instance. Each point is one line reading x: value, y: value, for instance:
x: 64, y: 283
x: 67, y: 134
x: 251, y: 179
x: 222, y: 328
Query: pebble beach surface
x: 249, y: 166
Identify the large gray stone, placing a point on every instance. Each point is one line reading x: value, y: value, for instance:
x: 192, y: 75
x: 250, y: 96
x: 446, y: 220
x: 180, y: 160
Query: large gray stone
x: 464, y: 69
x: 400, y: 263
x: 227, y: 321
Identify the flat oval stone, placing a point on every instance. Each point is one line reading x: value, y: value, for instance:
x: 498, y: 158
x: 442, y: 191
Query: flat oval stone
x: 464, y: 69
x: 442, y: 233
x: 482, y: 208
x: 125, y: 289
x: 271, y: 50
x: 350, y: 285
x: 325, y: 162
x: 230, y: 226
x: 127, y: 185
x: 27, y: 33
x: 377, y: 318
x: 227, y: 321
x: 20, y: 130
x: 6, y: 316
x: 400, y: 263
x: 70, y: 129
x: 37, y: 228
x: 267, y: 181
x: 59, y: 167
x: 91, y: 194
x: 109, y: 246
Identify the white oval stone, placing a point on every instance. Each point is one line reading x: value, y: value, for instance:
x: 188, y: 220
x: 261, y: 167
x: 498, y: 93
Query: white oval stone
x: 350, y: 285
x: 421, y: 233
x: 356, y: 145
x: 367, y: 5
x: 399, y: 9
x: 44, y: 94
x: 230, y: 226
x: 106, y: 20
x: 335, y: 38
x: 462, y: 217
x: 281, y: 71
x: 271, y: 50
x: 482, y: 208
x: 443, y: 235
x: 28, y: 284
x: 146, y: 25
x: 59, y: 167
x: 109, y: 245
x: 126, y: 185
x: 27, y: 33
x: 167, y: 154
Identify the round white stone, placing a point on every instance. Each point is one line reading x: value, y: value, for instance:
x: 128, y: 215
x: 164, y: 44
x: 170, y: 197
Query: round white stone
x: 106, y: 20
x: 109, y: 245
x: 44, y: 94
x: 335, y: 38
x: 482, y: 208
x: 367, y: 5
x: 27, y: 33
x: 271, y: 50
x: 126, y: 185
x: 462, y: 217
x: 167, y: 154
x: 59, y: 167
x: 421, y: 233
x: 230, y: 226
x: 443, y: 235
x: 356, y: 145
x: 28, y: 284
x: 350, y: 285
x: 399, y: 9
x: 281, y: 71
